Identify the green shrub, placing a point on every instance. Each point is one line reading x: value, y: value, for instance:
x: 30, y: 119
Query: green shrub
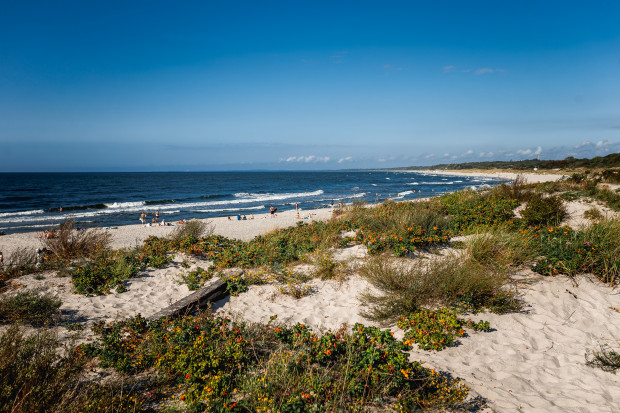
x: 593, y: 250
x: 219, y: 365
x: 436, y: 330
x: 106, y: 272
x: 611, y: 176
x: 195, y: 279
x: 29, y: 307
x: 544, y: 211
x: 470, y: 210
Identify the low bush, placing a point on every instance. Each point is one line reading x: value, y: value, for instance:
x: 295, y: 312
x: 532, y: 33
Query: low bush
x: 70, y: 243
x: 541, y: 210
x: 196, y: 278
x: 106, y: 272
x: 219, y: 365
x: 471, y: 210
x: 436, y: 330
x: 611, y: 176
x: 193, y: 228
x: 29, y: 307
x: 564, y: 251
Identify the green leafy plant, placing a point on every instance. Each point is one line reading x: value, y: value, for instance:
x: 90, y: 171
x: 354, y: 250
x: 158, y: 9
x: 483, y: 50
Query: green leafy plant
x: 542, y: 210
x: 436, y: 330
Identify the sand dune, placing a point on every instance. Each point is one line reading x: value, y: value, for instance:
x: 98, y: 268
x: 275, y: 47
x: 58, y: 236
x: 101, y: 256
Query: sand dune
x: 532, y: 361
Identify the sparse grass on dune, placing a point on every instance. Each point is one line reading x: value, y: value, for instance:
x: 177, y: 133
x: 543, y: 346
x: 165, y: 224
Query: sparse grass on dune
x: 29, y: 307
x: 69, y: 243
x: 605, y: 358
x: 33, y: 376
x: 193, y: 228
x: 21, y: 262
x: 501, y: 250
x: 456, y: 280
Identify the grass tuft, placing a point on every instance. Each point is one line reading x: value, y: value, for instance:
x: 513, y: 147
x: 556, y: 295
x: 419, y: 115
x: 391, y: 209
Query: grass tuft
x: 406, y: 287
x: 29, y: 307
x: 605, y: 359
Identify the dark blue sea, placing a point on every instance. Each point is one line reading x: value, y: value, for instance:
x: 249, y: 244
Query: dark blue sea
x: 32, y: 201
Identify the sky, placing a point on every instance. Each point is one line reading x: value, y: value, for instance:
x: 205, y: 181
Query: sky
x: 304, y: 85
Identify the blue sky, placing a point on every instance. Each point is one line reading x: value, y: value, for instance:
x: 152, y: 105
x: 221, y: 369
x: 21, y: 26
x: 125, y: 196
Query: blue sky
x: 109, y: 86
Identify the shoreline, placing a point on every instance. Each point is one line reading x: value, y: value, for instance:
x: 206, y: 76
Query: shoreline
x: 127, y: 236
x: 530, y: 177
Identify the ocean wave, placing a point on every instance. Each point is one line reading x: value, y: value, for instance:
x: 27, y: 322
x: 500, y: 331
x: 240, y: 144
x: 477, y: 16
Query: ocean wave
x: 401, y: 194
x: 231, y: 209
x: 125, y: 205
x: 13, y: 214
x: 161, y: 201
x: 412, y: 183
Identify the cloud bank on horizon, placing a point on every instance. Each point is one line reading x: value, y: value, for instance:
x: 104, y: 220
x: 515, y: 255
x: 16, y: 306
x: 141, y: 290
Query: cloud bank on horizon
x: 287, y: 85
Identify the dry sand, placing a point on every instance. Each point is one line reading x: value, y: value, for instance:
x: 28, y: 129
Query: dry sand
x: 533, y: 361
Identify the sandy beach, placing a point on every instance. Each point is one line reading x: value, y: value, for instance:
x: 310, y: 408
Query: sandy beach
x: 531, y: 361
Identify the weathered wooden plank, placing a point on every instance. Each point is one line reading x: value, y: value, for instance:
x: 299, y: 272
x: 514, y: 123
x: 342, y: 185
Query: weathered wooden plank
x: 194, y: 302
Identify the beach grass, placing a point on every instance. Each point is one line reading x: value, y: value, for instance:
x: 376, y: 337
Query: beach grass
x: 30, y: 307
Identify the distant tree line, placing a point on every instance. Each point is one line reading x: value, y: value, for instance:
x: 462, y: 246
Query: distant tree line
x: 609, y: 161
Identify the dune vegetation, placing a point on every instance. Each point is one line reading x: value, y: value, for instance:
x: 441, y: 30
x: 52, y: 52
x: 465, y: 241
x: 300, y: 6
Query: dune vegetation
x: 424, y: 281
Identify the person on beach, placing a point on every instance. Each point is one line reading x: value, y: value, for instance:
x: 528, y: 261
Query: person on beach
x: 60, y: 209
x: 157, y: 216
x: 272, y: 211
x: 1, y: 259
x: 143, y: 217
x: 296, y: 206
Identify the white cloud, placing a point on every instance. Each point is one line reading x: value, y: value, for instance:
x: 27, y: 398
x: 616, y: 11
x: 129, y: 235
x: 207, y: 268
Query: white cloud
x: 538, y: 150
x: 524, y: 151
x: 484, y: 71
x: 583, y: 144
x: 469, y: 152
x: 429, y: 156
x: 446, y: 155
x: 602, y: 144
x: 448, y: 69
x: 345, y: 159
x: 306, y: 159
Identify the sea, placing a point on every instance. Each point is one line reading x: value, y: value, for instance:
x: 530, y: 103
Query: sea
x: 33, y: 201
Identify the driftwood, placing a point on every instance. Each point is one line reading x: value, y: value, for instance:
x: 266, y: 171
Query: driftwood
x: 194, y: 302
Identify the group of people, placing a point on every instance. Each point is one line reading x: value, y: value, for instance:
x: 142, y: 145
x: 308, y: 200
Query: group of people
x: 155, y: 220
